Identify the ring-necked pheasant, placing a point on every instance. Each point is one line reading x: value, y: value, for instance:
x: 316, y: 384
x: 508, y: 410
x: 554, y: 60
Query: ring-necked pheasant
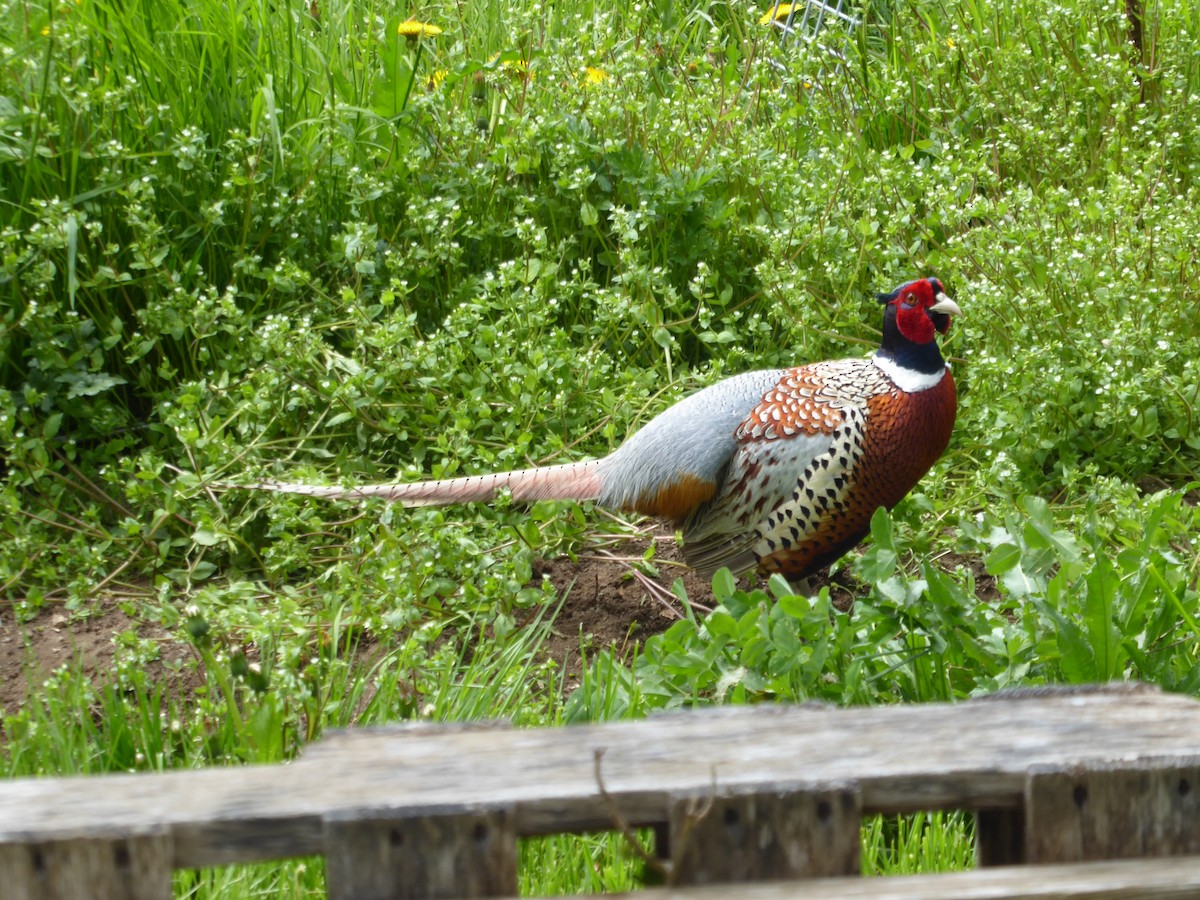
x: 780, y: 469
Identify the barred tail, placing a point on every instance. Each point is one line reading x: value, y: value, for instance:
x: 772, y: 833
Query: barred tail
x: 570, y: 481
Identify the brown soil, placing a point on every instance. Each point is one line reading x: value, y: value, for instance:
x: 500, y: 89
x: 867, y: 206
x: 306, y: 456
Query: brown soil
x: 611, y: 598
x: 607, y: 605
x: 32, y: 651
x: 985, y: 584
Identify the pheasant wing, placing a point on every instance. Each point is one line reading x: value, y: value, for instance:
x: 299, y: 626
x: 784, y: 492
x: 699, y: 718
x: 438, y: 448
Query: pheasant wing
x: 791, y: 471
x: 763, y: 477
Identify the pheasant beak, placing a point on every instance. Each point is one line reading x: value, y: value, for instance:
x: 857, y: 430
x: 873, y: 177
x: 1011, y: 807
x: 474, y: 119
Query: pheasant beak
x: 946, y: 306
x: 941, y: 312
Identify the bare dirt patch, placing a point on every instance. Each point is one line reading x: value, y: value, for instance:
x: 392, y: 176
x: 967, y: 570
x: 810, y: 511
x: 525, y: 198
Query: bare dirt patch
x: 31, y: 651
x: 610, y: 600
x: 986, y: 589
x: 611, y: 604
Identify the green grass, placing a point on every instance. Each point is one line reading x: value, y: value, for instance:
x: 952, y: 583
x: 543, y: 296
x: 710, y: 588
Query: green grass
x: 246, y: 239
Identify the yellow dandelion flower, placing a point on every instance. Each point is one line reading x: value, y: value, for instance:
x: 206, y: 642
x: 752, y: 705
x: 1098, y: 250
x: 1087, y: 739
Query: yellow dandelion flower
x: 950, y: 43
x: 592, y: 75
x: 46, y: 31
x: 436, y: 79
x: 782, y: 11
x: 516, y: 68
x: 413, y: 30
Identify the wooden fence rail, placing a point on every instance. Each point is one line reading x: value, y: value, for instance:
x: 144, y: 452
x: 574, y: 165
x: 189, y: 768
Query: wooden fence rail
x: 745, y: 795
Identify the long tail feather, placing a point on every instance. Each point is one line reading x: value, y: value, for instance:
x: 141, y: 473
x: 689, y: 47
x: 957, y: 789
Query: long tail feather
x: 570, y: 481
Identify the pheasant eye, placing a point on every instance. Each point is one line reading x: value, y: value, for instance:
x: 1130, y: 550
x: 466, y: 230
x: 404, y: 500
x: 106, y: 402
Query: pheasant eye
x: 909, y: 300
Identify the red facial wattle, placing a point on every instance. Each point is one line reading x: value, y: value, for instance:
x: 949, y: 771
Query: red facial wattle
x: 912, y: 316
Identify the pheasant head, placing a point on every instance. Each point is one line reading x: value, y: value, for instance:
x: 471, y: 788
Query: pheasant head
x: 914, y: 315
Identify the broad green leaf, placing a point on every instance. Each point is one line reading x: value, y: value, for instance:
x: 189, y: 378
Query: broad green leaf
x: 205, y: 537
x: 1102, y: 585
x: 1002, y: 559
x: 723, y: 585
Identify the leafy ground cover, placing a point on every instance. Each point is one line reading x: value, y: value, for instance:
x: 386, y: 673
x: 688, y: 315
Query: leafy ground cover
x: 243, y: 240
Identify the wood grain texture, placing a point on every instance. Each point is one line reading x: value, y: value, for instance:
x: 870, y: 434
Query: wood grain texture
x: 1112, y: 812
x: 18, y: 873
x: 472, y: 855
x: 769, y: 834
x: 1161, y: 879
x: 972, y: 755
x: 132, y: 868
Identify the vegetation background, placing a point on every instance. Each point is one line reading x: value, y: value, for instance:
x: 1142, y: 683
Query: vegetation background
x: 283, y: 239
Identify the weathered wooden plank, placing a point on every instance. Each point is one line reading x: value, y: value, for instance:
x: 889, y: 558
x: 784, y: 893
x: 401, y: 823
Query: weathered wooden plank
x: 1112, y: 812
x: 337, y: 741
x: 777, y: 832
x: 1161, y: 879
x: 17, y: 872
x: 971, y: 755
x: 134, y: 868
x: 398, y: 858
